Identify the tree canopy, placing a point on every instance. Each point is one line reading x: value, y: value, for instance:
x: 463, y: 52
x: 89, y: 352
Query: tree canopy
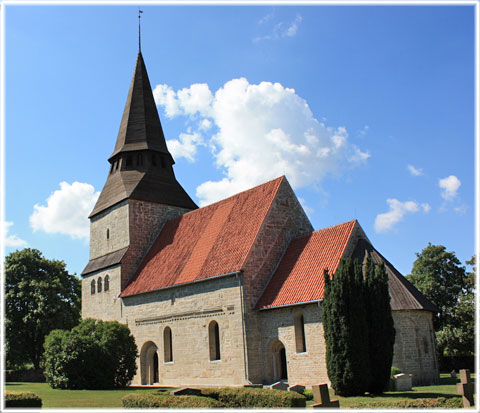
x: 93, y: 355
x: 439, y: 275
x: 40, y: 295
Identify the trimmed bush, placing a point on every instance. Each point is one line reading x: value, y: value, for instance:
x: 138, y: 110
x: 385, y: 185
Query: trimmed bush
x: 308, y: 394
x: 22, y: 399
x: 436, y: 403
x: 255, y: 398
x: 135, y: 400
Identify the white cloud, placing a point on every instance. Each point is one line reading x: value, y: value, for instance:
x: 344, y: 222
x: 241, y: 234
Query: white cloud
x: 450, y: 187
x: 12, y: 241
x: 262, y: 131
x: 364, y: 130
x: 461, y: 210
x: 185, y: 146
x: 398, y: 209
x: 66, y: 211
x: 426, y: 207
x: 280, y: 29
x: 414, y: 171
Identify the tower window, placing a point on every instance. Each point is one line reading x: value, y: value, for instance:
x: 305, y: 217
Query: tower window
x: 111, y: 167
x: 92, y: 287
x: 128, y: 161
x: 99, y: 284
x: 167, y: 344
x: 139, y: 159
x: 117, y: 162
x: 299, y: 326
x: 214, y: 340
x: 154, y: 160
x: 106, y: 283
x: 162, y: 161
x: 108, y: 233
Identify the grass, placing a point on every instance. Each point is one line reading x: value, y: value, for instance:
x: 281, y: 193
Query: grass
x: 446, y: 388
x: 90, y: 399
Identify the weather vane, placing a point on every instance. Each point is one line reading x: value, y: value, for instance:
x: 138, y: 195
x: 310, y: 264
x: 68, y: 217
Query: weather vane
x: 139, y: 42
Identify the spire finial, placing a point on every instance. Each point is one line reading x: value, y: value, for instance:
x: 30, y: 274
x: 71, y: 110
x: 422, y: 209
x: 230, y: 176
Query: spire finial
x: 139, y: 37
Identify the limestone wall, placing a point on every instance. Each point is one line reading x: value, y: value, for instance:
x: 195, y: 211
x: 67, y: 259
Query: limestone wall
x: 116, y: 221
x: 188, y: 310
x: 104, y: 305
x: 305, y: 368
x: 414, y: 351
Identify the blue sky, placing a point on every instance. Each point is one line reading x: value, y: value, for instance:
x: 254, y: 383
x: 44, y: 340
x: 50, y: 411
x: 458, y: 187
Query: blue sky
x: 368, y: 110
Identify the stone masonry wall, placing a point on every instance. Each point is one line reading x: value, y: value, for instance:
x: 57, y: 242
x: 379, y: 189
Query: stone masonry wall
x: 305, y: 368
x: 105, y: 305
x: 414, y: 351
x: 285, y: 220
x: 146, y: 220
x: 115, y: 220
x: 188, y: 311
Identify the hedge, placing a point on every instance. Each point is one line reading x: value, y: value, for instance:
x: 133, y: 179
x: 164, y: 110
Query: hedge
x: 23, y: 399
x: 436, y: 403
x: 255, y: 398
x: 134, y: 400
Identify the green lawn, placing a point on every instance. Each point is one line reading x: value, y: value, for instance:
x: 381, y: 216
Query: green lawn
x: 55, y: 398
x: 89, y: 399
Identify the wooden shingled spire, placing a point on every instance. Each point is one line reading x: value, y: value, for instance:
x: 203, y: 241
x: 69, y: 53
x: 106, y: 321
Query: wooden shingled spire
x: 141, y: 165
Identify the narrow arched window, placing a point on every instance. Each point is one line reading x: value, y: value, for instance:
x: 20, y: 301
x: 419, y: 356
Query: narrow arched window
x: 299, y: 333
x: 92, y: 287
x: 108, y: 233
x: 106, y: 283
x: 167, y: 345
x: 214, y: 340
x: 99, y: 284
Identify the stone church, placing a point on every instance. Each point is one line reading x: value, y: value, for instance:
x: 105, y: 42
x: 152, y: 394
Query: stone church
x: 231, y: 293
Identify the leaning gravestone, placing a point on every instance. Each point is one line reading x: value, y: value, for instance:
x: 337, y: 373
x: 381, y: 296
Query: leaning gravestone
x: 186, y: 391
x: 279, y: 385
x: 453, y: 374
x: 322, y: 397
x: 465, y: 388
x: 297, y: 388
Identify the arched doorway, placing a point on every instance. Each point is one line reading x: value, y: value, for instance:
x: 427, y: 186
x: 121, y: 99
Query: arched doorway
x: 278, y: 361
x: 149, y: 363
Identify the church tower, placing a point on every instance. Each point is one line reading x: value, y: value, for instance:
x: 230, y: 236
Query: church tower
x: 141, y: 193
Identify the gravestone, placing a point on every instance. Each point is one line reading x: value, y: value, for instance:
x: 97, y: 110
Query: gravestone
x: 453, y: 374
x: 322, y: 397
x: 186, y: 391
x: 279, y: 385
x: 297, y: 388
x: 403, y: 382
x: 465, y: 388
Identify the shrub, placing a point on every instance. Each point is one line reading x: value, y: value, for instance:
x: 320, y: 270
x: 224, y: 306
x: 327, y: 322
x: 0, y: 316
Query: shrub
x: 134, y: 400
x: 394, y: 371
x: 23, y: 399
x: 94, y: 355
x: 255, y: 398
x: 436, y: 403
x: 308, y: 394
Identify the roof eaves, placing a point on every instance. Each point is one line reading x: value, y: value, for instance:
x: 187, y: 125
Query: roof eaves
x: 319, y: 300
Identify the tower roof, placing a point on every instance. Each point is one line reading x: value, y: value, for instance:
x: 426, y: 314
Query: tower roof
x: 141, y: 165
x: 140, y: 127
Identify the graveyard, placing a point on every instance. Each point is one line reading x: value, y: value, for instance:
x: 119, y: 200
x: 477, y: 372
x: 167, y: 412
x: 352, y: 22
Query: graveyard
x: 443, y: 395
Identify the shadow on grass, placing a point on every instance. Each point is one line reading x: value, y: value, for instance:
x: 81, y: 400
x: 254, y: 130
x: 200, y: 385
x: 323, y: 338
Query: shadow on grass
x: 12, y: 384
x: 416, y: 395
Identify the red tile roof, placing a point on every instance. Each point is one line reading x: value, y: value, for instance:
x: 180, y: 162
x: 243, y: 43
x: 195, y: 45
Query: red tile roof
x: 209, y: 241
x: 299, y: 276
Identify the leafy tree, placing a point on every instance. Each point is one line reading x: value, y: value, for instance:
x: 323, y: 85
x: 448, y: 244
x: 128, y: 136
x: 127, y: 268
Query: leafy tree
x: 439, y: 275
x: 346, y: 329
x: 93, y: 355
x: 40, y: 295
x: 381, y: 331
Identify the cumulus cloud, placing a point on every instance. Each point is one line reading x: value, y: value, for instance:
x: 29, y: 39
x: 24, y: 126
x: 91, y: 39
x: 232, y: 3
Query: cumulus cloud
x: 66, y: 211
x: 262, y: 131
x: 449, y: 187
x: 185, y: 146
x: 414, y: 171
x: 398, y: 209
x: 12, y: 241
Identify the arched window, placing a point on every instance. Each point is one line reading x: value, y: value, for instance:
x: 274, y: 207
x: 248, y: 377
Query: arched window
x: 214, y: 340
x: 167, y: 345
x: 108, y: 233
x: 299, y: 333
x: 92, y: 287
x: 106, y: 283
x: 99, y: 284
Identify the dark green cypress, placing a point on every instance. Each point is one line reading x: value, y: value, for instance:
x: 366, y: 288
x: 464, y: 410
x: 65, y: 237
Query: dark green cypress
x: 346, y: 329
x: 380, y: 326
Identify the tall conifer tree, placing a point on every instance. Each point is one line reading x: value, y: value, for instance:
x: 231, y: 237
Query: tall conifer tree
x: 346, y: 329
x: 380, y: 326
